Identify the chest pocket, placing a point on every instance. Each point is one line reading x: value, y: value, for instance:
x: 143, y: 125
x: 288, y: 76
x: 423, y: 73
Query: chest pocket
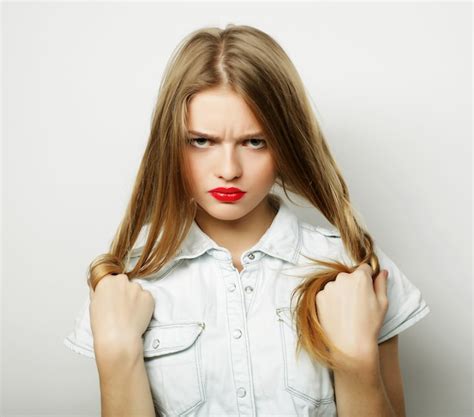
x: 308, y: 382
x: 172, y: 356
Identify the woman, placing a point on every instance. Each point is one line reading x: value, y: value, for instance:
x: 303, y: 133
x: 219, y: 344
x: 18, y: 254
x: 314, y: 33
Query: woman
x: 200, y: 319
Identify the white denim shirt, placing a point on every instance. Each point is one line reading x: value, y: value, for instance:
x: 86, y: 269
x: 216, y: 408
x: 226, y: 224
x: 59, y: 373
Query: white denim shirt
x: 222, y: 343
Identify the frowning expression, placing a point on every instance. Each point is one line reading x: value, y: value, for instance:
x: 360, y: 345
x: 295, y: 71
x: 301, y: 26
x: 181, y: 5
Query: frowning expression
x: 227, y: 148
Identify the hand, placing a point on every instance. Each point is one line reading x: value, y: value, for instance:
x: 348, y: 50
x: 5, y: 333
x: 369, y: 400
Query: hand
x: 351, y: 310
x: 120, y: 312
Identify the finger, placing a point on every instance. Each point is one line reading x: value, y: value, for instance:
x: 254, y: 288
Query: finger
x: 365, y: 267
x: 91, y: 291
x: 380, y: 285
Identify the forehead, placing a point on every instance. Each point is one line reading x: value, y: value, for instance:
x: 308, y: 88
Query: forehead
x: 221, y: 112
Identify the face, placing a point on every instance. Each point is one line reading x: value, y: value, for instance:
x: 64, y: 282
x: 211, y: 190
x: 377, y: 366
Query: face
x: 227, y: 148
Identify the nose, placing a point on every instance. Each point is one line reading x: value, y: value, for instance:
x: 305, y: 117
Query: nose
x: 228, y: 164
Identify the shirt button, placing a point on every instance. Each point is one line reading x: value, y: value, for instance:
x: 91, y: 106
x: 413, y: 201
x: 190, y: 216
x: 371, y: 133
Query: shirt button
x: 248, y: 289
x: 231, y: 287
x: 251, y: 256
x: 237, y: 333
x: 241, y: 392
x: 156, y: 343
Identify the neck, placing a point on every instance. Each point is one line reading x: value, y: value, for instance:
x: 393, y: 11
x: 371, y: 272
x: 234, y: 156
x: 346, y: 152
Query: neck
x: 239, y: 234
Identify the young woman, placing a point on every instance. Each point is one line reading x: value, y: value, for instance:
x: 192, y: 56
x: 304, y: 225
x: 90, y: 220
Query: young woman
x: 215, y: 299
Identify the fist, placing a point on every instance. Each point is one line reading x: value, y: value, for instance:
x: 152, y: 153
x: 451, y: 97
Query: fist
x: 120, y: 311
x: 351, y: 310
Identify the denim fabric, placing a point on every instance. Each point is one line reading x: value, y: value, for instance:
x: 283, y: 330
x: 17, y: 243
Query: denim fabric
x: 222, y: 343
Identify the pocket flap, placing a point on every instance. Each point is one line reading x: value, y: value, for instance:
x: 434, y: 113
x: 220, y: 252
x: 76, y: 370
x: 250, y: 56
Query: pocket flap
x: 160, y: 339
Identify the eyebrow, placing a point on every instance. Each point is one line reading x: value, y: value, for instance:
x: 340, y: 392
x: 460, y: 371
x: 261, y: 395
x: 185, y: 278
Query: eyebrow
x: 207, y: 136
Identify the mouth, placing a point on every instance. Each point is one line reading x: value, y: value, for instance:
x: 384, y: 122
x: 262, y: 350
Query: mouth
x: 232, y: 194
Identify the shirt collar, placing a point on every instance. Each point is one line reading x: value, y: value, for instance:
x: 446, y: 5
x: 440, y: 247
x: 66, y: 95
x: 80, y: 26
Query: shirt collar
x: 281, y: 240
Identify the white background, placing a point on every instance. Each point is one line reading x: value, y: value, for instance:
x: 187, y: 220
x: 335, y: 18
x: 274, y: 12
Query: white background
x: 391, y: 85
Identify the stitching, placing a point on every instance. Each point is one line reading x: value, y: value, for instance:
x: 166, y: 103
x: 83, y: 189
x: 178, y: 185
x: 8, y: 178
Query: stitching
x: 259, y: 271
x: 197, y: 364
x: 409, y: 321
x: 284, y: 319
x: 150, y: 334
x: 247, y: 347
x: 228, y: 338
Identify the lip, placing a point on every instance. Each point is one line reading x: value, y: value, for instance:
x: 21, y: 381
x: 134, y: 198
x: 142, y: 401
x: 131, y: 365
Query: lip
x: 227, y: 194
x: 231, y: 190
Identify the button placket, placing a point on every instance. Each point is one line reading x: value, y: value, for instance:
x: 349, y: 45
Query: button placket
x: 237, y: 319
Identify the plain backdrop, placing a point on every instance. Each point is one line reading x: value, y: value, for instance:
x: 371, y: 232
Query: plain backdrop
x: 391, y: 86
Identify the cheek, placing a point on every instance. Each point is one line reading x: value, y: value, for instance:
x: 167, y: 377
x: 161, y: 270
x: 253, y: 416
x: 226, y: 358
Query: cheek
x: 263, y: 170
x: 192, y: 168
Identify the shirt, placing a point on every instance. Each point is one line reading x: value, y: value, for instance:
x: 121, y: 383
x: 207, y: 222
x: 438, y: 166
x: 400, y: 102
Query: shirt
x: 222, y: 343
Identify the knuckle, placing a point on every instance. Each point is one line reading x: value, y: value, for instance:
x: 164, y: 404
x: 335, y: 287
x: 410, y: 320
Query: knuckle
x: 323, y: 292
x: 361, y: 274
x: 104, y: 281
x: 136, y: 286
x: 114, y: 277
x: 341, y: 275
x: 112, y: 280
x: 149, y: 296
x: 122, y: 276
x: 329, y: 285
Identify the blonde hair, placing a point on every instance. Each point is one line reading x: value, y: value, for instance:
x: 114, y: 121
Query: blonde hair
x: 252, y: 64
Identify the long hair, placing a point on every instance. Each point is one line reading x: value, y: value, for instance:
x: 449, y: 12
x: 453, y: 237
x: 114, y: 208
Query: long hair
x: 255, y: 66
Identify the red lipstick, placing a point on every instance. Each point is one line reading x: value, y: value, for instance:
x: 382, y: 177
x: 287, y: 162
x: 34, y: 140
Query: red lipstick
x: 227, y: 194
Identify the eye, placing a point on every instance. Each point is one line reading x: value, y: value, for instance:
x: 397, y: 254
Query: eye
x: 259, y: 141
x: 191, y: 141
x: 196, y: 142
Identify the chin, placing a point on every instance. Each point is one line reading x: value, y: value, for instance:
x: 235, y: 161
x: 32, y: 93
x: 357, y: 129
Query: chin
x: 224, y: 211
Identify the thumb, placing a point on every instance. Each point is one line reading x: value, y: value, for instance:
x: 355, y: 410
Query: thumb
x: 380, y: 284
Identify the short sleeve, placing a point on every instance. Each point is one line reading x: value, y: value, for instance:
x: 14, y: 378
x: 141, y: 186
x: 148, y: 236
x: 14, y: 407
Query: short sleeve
x: 80, y: 340
x: 406, y: 305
